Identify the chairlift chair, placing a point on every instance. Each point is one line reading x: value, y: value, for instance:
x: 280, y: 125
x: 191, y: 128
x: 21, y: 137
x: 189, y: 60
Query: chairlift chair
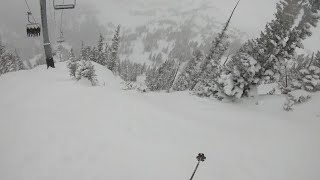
x: 61, y: 38
x: 33, y: 29
x: 71, y: 4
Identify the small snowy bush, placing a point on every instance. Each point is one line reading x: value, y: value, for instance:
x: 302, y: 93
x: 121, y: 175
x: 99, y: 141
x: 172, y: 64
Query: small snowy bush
x: 129, y: 86
x: 299, y: 96
x: 288, y: 105
x: 86, y: 70
x: 139, y: 86
x: 296, y: 97
x: 311, y: 78
x: 72, y: 66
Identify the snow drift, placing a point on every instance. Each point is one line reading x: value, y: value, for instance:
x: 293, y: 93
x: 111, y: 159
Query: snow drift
x: 53, y: 128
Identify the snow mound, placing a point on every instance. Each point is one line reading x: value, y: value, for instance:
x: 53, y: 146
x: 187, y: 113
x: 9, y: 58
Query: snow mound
x: 269, y: 89
x: 299, y: 96
x: 106, y: 77
x: 53, y: 128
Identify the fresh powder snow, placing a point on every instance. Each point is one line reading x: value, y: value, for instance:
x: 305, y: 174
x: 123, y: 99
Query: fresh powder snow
x: 54, y: 128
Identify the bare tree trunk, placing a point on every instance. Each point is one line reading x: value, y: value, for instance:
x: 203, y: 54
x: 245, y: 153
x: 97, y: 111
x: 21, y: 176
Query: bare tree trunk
x: 174, y: 78
x: 311, y: 61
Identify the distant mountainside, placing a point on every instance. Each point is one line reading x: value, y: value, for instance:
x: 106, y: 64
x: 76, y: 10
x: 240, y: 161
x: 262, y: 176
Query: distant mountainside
x: 174, y: 33
x: 169, y: 33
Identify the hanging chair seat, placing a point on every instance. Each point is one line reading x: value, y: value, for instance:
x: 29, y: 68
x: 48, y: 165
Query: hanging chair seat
x: 65, y: 6
x: 33, y: 30
x: 33, y: 25
x: 60, y: 40
x: 60, y: 5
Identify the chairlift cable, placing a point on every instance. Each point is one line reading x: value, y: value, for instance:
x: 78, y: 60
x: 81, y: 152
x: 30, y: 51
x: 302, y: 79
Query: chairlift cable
x: 61, y: 21
x: 30, y: 11
x: 53, y: 15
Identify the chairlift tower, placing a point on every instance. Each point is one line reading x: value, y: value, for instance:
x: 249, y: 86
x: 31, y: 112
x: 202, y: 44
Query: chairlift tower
x: 46, y: 40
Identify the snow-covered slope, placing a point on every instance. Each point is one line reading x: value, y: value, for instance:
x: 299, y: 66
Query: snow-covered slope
x: 175, y: 33
x: 54, y: 128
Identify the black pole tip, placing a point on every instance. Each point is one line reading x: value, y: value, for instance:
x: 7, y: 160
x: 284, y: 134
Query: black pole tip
x: 201, y: 157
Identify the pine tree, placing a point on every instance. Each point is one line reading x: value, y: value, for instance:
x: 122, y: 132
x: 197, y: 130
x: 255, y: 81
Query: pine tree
x: 85, y: 53
x: 19, y: 65
x: 240, y: 73
x: 101, y: 51
x: 211, y: 68
x: 310, y: 75
x: 309, y: 19
x: 190, y: 75
x: 159, y: 78
x: 86, y: 70
x: 2, y: 48
x: 269, y: 57
x: 72, y: 64
x: 114, y: 62
x: 8, y: 62
x: 166, y: 74
x: 2, y: 53
x: 101, y: 43
x: 317, y: 59
x: 152, y: 78
x: 272, y: 53
x: 107, y: 53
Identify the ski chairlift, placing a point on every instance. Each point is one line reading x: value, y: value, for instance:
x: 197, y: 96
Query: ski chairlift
x: 59, y: 6
x: 33, y: 29
x: 61, y: 38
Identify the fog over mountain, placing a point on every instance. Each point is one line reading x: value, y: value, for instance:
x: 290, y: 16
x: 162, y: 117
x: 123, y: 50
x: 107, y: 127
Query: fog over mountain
x: 100, y: 16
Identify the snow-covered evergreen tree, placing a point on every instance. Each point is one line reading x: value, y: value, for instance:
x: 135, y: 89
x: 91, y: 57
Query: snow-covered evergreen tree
x: 190, y: 75
x: 166, y: 74
x: 152, y: 78
x: 317, y: 59
x: 160, y: 78
x: 86, y: 70
x: 273, y: 43
x: 114, y: 62
x: 19, y: 65
x: 9, y: 61
x: 85, y: 52
x: 129, y: 71
x: 72, y: 64
x: 268, y: 58
x: 310, y: 75
x: 240, y: 73
x: 2, y: 48
x: 309, y: 19
x: 211, y: 69
x: 101, y: 52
